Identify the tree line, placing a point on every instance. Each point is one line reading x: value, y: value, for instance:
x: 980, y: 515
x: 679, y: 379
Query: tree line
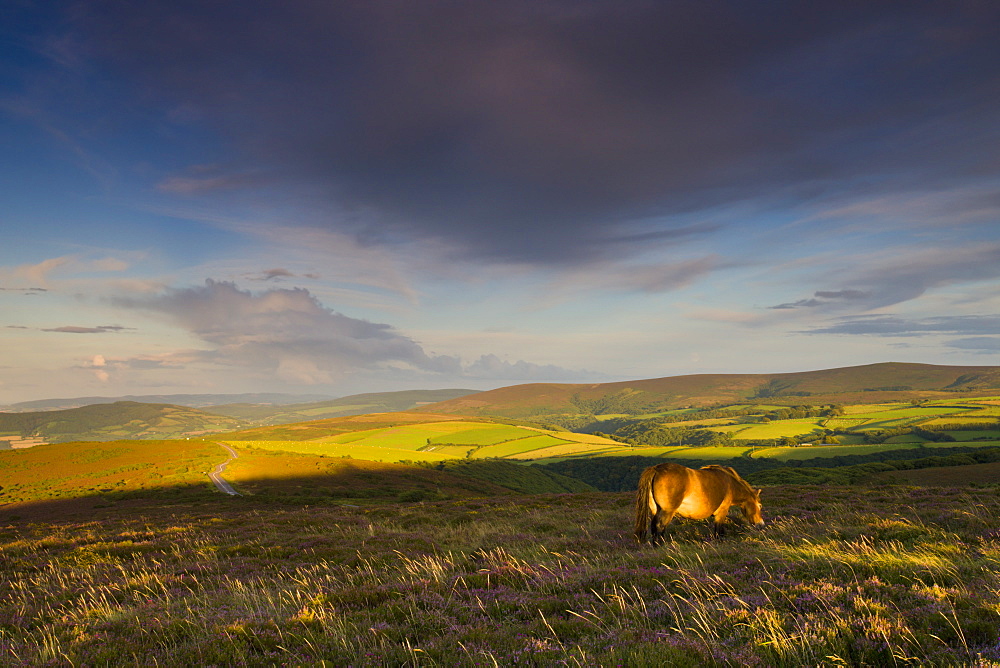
x: 621, y: 474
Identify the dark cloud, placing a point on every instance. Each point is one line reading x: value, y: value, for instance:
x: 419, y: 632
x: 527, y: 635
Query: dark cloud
x: 824, y: 298
x: 72, y: 329
x: 270, y: 274
x: 25, y: 291
x: 558, y: 130
x: 801, y: 303
x: 277, y: 274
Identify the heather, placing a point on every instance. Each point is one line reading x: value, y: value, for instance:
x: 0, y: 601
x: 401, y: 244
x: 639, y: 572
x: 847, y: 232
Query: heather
x: 892, y: 575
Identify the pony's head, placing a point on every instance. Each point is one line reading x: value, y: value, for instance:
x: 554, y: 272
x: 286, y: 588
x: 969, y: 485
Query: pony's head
x: 751, y: 508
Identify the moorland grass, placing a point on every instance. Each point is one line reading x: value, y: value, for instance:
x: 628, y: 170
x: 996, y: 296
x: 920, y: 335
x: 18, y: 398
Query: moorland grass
x: 841, y: 576
x: 67, y: 470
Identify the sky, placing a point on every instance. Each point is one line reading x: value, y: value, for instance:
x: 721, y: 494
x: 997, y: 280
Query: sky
x: 334, y: 197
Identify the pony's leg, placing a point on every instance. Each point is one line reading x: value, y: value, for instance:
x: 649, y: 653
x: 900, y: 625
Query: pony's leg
x: 719, y: 519
x: 659, y: 523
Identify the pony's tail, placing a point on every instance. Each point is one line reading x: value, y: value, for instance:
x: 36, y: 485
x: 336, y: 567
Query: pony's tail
x: 643, y: 516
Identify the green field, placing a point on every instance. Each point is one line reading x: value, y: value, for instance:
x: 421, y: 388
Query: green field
x: 367, y: 452
x: 567, y: 449
x: 455, y: 451
x: 518, y: 447
x: 851, y: 410
x: 418, y: 436
x: 778, y: 429
x: 484, y: 434
x: 709, y: 453
x: 717, y: 453
x: 957, y: 420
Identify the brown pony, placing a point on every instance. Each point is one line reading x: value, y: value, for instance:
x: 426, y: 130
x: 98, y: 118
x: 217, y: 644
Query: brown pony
x: 667, y: 489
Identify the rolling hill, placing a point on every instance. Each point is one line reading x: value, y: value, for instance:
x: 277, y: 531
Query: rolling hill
x: 192, y: 400
x: 84, y: 475
x: 122, y: 419
x: 891, y: 381
x: 356, y: 404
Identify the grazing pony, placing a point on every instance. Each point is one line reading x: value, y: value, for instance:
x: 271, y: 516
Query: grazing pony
x: 668, y: 489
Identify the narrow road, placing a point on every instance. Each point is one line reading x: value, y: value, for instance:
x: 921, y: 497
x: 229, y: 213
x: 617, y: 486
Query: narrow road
x: 216, y: 474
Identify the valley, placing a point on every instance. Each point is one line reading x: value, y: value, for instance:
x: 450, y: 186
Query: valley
x: 443, y: 535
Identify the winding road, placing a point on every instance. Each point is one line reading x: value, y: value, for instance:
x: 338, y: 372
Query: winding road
x: 216, y: 474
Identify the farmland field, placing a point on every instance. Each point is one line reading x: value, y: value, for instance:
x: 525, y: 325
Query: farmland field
x: 850, y: 410
x: 460, y: 451
x: 413, y: 436
x: 973, y: 418
x: 565, y: 449
x: 520, y: 446
x: 367, y: 452
x: 484, y: 434
x: 725, y: 428
x: 416, y: 436
x: 410, y: 443
x: 779, y: 428
x: 843, y: 422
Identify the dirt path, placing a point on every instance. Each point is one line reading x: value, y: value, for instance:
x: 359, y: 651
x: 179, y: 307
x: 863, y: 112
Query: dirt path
x: 216, y: 474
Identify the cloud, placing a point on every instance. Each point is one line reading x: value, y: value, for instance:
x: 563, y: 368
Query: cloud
x: 902, y: 274
x: 36, y: 274
x: 522, y: 131
x: 25, y: 291
x: 824, y: 298
x: 493, y: 368
x: 908, y: 273
x: 72, y: 329
x: 890, y: 325
x: 289, y: 334
x: 195, y: 185
x: 981, y: 333
x: 842, y: 294
x: 277, y: 274
x: 111, y: 264
x: 986, y: 345
x: 99, y: 366
x: 36, y: 278
x: 650, y: 278
x: 284, y: 331
x: 723, y: 316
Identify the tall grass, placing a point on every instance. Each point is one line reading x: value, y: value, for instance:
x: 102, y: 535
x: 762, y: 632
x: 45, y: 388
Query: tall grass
x: 841, y: 576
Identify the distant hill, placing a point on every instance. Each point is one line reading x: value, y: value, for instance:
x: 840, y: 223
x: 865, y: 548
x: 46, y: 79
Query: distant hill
x: 193, y: 400
x: 891, y: 381
x: 121, y: 419
x: 356, y: 404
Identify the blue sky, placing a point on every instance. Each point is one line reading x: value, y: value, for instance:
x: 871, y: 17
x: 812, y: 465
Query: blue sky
x: 362, y: 196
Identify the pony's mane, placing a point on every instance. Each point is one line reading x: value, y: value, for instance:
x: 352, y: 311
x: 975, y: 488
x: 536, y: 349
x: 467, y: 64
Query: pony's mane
x: 732, y: 472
